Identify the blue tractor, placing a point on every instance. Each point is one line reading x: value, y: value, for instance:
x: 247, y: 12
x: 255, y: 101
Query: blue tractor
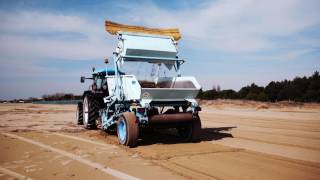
x: 124, y: 100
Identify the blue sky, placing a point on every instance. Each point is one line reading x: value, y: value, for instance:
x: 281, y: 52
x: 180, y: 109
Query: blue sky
x: 45, y: 46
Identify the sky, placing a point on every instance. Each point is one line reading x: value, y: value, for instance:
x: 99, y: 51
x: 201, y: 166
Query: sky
x: 45, y: 46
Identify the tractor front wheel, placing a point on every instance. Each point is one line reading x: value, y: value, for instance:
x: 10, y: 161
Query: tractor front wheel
x: 90, y: 112
x: 79, y: 113
x: 128, y: 129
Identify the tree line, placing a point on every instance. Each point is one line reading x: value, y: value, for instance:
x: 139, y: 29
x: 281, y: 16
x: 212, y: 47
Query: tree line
x: 60, y: 96
x: 300, y: 89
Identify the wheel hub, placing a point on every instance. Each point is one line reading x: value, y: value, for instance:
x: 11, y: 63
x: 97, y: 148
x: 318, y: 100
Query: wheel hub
x: 122, y: 131
x: 85, y: 110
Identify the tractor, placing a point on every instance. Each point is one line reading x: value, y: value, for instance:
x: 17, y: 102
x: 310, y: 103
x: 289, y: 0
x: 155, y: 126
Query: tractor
x: 142, y: 89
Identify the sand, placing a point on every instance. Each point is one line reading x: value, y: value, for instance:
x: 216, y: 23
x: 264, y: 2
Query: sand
x: 239, y: 140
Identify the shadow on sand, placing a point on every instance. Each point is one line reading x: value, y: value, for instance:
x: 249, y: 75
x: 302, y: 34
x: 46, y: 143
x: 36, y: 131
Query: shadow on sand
x: 170, y: 136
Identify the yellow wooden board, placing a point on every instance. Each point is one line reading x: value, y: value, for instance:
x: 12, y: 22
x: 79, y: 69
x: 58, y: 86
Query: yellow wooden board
x: 113, y: 28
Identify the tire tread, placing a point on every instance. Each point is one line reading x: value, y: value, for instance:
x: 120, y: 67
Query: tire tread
x: 93, y: 115
x: 133, y: 129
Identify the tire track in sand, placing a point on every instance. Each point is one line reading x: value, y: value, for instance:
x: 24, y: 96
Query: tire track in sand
x: 101, y: 167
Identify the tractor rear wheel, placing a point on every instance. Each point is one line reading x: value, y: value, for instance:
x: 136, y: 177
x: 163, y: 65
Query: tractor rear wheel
x: 90, y: 111
x: 79, y: 113
x: 128, y: 129
x: 191, y: 132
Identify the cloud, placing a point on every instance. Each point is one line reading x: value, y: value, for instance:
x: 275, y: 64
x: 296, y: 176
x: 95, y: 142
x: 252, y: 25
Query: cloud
x: 35, y: 21
x: 42, y: 47
x: 242, y: 26
x: 30, y: 40
x: 45, y: 35
x: 267, y: 35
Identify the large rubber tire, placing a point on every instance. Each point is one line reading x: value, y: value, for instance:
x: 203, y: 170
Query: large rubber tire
x: 79, y: 113
x: 192, y: 131
x: 128, y: 129
x: 90, y: 111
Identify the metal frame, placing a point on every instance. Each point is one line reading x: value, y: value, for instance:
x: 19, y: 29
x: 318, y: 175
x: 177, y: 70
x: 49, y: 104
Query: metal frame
x: 116, y: 103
